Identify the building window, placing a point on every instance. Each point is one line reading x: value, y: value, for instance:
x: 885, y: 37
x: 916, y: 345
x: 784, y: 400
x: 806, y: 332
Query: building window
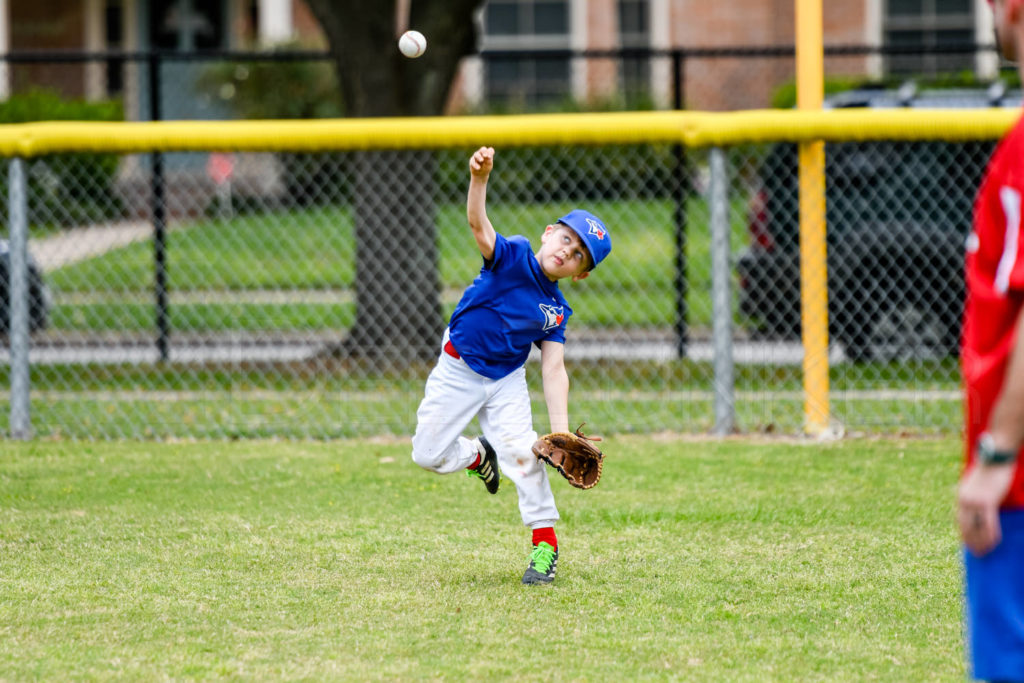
x: 114, y: 28
x: 635, y: 33
x: 929, y: 25
x: 526, y: 81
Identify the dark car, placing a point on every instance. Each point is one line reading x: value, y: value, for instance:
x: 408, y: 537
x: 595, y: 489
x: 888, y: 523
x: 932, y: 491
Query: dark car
x: 38, y: 295
x: 897, y: 215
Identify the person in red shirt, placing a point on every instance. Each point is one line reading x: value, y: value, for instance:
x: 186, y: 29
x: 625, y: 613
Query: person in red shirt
x: 990, y: 498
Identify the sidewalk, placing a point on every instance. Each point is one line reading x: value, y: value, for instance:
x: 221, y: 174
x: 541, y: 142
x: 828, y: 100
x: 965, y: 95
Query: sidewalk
x: 78, y: 244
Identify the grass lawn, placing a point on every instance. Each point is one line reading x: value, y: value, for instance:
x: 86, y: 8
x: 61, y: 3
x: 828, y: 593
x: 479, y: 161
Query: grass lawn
x: 692, y: 560
x: 314, y: 250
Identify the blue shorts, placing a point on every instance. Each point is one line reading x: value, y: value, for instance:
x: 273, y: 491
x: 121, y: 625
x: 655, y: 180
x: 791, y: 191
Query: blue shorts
x: 995, y: 605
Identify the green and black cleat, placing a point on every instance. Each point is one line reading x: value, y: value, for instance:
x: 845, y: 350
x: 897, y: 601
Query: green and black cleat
x: 543, y: 561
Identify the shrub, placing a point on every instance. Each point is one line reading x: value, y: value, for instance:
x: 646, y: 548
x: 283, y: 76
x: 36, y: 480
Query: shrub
x: 66, y: 189
x: 285, y: 89
x: 784, y: 96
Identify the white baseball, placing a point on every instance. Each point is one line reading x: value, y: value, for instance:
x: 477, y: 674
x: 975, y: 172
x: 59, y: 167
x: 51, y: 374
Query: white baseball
x: 412, y: 44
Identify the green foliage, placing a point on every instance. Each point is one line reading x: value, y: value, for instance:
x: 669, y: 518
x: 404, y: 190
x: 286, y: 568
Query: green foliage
x: 287, y: 89
x: 47, y: 105
x: 570, y: 173
x: 575, y: 173
x: 784, y: 96
x: 693, y: 560
x: 65, y: 189
x: 636, y: 101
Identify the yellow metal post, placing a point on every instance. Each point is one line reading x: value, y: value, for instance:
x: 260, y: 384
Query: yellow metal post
x: 810, y: 76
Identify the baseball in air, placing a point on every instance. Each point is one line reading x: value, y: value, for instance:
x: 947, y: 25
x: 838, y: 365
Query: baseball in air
x: 412, y: 44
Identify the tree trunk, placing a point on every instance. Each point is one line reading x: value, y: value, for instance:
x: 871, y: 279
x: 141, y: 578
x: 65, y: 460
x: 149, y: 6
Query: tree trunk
x: 398, y: 288
x: 398, y: 315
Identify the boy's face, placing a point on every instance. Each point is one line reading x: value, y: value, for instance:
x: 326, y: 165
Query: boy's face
x: 562, y: 254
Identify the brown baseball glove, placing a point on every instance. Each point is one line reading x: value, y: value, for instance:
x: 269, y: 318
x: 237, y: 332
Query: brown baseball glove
x: 574, y: 456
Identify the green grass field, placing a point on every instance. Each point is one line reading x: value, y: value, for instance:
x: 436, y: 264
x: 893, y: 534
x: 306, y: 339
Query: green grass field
x: 692, y: 560
x: 314, y: 251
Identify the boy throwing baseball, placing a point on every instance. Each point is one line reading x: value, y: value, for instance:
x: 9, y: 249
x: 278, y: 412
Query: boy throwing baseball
x: 513, y: 304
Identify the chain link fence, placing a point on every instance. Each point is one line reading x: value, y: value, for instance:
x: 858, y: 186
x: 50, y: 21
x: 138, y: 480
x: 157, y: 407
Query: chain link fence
x: 303, y: 295
x: 300, y: 295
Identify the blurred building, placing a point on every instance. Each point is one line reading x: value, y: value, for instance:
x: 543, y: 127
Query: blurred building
x: 711, y: 80
x: 60, y: 27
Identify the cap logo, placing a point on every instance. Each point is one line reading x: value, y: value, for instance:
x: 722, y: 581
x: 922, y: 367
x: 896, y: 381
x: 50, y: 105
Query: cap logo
x: 553, y: 315
x: 596, y: 229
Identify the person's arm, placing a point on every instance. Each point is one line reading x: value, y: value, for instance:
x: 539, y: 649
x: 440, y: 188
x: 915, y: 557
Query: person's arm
x: 480, y: 165
x: 556, y: 384
x: 984, y: 487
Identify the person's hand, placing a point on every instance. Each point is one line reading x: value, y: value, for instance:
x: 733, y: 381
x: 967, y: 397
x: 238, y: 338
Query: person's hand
x: 481, y: 163
x: 981, y: 491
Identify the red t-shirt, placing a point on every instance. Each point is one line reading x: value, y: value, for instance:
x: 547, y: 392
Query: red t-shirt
x: 995, y: 290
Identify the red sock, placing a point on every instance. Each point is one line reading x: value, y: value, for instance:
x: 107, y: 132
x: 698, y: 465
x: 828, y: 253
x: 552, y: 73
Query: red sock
x: 546, y: 535
x: 476, y: 463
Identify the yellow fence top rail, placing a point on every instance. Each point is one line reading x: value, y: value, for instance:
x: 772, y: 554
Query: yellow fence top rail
x: 692, y: 129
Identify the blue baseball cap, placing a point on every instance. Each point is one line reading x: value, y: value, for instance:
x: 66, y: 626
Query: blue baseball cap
x: 592, y: 231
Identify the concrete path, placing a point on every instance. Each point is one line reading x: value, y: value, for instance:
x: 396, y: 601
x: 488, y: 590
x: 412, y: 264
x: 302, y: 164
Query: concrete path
x: 78, y: 244
x: 244, y: 348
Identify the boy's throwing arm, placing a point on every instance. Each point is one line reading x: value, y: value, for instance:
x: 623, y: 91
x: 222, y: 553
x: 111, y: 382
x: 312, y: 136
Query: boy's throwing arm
x: 480, y: 165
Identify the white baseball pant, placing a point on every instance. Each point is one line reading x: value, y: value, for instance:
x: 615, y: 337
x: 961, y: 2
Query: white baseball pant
x: 454, y: 394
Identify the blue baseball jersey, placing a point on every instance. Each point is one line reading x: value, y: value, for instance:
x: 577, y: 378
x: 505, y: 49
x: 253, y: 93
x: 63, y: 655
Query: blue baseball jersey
x: 509, y: 306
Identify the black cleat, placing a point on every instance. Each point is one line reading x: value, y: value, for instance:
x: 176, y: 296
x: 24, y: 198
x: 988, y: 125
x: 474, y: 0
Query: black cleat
x: 488, y: 467
x: 543, y: 561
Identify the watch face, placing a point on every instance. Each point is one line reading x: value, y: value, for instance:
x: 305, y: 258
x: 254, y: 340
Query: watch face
x: 988, y: 454
x: 986, y: 447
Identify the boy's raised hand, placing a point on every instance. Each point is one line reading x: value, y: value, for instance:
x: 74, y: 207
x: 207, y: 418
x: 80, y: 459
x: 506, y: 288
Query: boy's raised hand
x: 482, y: 161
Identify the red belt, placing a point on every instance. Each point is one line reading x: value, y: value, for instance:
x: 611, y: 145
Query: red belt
x: 450, y: 350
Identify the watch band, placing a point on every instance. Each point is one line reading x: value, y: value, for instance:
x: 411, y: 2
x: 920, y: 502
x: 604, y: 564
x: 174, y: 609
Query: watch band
x: 988, y: 454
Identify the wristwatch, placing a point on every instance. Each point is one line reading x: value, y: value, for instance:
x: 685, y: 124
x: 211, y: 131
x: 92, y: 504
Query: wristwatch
x: 988, y: 454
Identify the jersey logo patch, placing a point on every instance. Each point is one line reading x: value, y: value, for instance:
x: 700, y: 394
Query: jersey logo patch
x: 553, y: 315
x: 596, y: 229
